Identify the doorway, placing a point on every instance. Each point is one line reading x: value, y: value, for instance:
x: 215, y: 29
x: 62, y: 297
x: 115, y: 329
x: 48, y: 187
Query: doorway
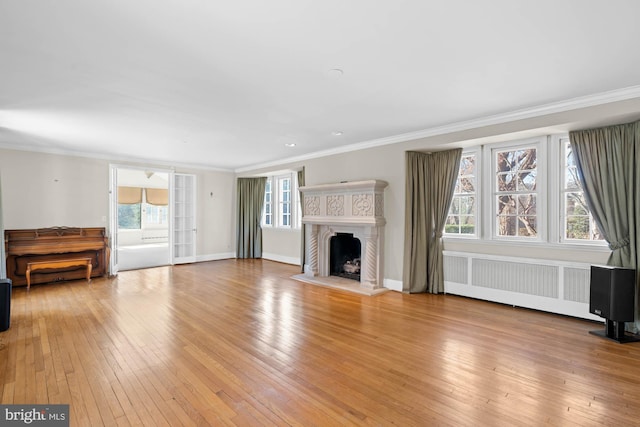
x: 143, y: 219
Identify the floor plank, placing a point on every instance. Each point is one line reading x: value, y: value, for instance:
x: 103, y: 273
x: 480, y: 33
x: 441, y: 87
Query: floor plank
x: 239, y: 342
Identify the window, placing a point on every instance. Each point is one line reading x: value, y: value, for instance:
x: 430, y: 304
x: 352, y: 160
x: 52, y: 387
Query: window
x: 503, y: 188
x: 268, y: 207
x: 138, y: 214
x: 578, y: 224
x: 155, y: 215
x: 284, y: 198
x: 462, y: 218
x: 129, y: 216
x: 515, y: 187
x: 281, y: 202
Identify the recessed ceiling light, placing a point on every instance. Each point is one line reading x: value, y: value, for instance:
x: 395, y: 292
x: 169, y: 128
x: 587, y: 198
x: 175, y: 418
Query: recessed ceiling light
x: 290, y: 144
x: 336, y: 72
x: 337, y: 133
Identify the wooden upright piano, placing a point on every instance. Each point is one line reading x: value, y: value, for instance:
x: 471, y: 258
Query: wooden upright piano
x: 51, y: 244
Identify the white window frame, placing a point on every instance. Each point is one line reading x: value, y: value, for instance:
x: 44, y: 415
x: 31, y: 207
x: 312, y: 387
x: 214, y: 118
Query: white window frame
x: 541, y: 188
x: 479, y: 182
x: 276, y: 203
x: 154, y: 225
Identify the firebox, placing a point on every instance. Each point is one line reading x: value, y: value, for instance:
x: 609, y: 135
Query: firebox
x: 344, y: 257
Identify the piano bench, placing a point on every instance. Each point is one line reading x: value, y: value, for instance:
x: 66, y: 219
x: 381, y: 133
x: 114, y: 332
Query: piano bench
x: 60, y: 263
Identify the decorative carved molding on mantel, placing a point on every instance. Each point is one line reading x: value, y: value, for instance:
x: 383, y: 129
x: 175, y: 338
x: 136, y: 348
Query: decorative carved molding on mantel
x: 348, y: 207
x: 357, y: 202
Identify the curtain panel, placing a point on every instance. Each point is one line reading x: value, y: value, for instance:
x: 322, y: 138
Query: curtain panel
x: 607, y: 159
x: 430, y: 183
x: 250, y: 205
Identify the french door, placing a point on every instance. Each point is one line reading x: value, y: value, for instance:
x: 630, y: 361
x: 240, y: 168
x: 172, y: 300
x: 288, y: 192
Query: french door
x: 184, y: 219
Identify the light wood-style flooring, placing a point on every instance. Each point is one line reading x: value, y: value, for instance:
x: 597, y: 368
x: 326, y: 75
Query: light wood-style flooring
x: 238, y: 342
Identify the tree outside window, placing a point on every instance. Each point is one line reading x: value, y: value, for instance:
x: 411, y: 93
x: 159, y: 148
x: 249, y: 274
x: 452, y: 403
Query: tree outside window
x: 516, y: 194
x: 462, y: 213
x: 578, y: 221
x: 129, y: 216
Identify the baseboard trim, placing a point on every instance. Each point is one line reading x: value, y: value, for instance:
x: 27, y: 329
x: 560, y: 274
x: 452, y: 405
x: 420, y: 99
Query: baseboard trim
x: 281, y: 258
x: 394, y: 285
x: 215, y: 257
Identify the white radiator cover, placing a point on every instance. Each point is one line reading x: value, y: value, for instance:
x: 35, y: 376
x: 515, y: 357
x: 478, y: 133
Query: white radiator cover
x: 553, y: 286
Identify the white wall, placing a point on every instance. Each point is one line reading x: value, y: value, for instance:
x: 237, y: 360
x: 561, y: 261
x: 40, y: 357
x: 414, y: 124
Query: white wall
x: 215, y: 214
x: 282, y: 245
x: 45, y: 190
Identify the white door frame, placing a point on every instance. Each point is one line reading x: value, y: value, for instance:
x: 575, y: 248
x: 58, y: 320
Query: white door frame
x: 113, y: 210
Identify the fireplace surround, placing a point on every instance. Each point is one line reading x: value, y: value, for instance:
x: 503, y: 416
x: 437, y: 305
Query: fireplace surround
x: 355, y: 208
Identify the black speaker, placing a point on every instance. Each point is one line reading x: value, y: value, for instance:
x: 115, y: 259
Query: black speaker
x: 612, y: 294
x: 5, y: 304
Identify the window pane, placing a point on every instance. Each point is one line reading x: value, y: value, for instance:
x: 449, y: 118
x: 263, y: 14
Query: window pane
x: 467, y: 205
x: 452, y: 225
x: 576, y: 205
x: 578, y: 227
x: 527, y: 226
x: 506, y: 225
x: 129, y: 216
x: 467, y: 185
x: 455, y: 205
x: 467, y: 224
x: 527, y: 181
x: 527, y: 204
x: 571, y: 179
x: 506, y: 205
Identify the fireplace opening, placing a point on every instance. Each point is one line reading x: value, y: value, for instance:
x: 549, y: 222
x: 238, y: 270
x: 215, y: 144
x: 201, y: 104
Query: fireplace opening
x: 344, y: 256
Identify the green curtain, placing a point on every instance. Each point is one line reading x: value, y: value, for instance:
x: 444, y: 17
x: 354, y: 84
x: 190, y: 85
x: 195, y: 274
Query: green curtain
x: 430, y: 183
x: 607, y: 159
x: 303, y: 249
x: 250, y: 204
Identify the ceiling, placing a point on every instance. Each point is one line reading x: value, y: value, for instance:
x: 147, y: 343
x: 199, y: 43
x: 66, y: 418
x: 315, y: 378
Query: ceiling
x: 227, y: 84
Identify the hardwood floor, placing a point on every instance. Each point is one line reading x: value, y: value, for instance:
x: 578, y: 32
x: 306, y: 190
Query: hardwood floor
x: 240, y: 343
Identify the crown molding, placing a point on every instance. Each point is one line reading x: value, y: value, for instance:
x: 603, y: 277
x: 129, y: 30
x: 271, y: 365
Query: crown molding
x: 601, y: 98
x: 110, y: 157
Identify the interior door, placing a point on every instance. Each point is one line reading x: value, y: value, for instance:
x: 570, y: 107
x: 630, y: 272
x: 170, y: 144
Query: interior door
x: 184, y: 218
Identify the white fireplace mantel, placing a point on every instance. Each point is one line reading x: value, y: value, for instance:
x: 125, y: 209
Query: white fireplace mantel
x: 348, y: 207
